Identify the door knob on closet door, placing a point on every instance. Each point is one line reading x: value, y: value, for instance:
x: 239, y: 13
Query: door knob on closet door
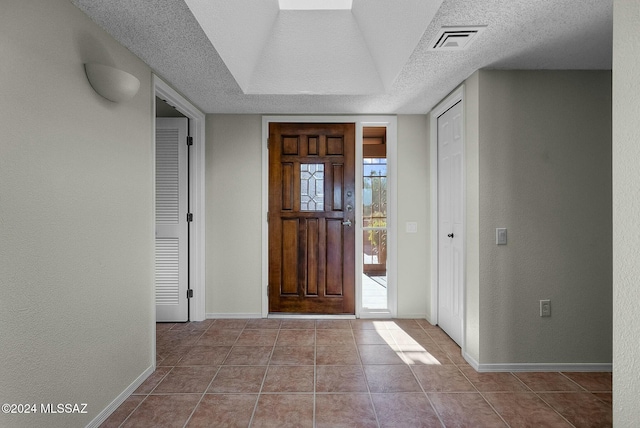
x: 450, y: 235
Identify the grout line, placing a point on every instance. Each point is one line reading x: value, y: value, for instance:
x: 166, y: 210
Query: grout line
x: 264, y: 377
x: 214, y: 376
x: 132, y: 411
x: 433, y: 407
x: 553, y: 408
x: 573, y: 381
x: 482, y: 394
x: 485, y: 398
x: 163, y: 378
x: 201, y: 397
x: 315, y: 373
x: 493, y: 407
x: 366, y: 381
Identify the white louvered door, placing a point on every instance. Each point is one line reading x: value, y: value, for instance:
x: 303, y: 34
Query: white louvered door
x: 171, y: 219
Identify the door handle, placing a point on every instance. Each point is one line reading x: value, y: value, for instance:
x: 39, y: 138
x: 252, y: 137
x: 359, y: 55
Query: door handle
x: 346, y: 223
x: 450, y: 235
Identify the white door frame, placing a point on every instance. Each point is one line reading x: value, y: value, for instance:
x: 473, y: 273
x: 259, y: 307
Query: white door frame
x: 196, y: 194
x: 456, y: 96
x: 392, y: 204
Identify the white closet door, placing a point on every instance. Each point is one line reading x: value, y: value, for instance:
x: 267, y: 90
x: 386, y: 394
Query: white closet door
x: 171, y: 220
x: 450, y: 223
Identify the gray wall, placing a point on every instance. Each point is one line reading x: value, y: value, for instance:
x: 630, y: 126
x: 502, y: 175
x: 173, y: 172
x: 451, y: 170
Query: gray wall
x: 413, y: 206
x: 626, y: 212
x: 234, y: 215
x: 76, y: 215
x: 472, y: 216
x: 544, y: 172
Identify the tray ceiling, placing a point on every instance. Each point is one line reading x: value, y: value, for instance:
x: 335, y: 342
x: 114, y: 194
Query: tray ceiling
x: 249, y: 56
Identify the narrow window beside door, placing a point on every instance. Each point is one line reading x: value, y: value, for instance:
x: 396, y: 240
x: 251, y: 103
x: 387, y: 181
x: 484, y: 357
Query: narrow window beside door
x: 374, y: 221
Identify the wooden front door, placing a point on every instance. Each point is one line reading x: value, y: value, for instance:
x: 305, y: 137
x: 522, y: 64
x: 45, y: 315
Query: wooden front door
x: 312, y: 218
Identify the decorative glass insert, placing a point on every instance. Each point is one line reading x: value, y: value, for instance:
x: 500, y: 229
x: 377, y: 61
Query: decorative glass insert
x: 374, y: 216
x: 375, y: 192
x: 312, y: 187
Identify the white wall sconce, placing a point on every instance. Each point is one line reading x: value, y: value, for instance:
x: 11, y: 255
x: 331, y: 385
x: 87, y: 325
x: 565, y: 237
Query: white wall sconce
x: 111, y: 83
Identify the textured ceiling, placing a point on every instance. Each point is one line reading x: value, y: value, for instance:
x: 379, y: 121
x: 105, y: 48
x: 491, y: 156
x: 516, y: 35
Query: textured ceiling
x: 520, y: 34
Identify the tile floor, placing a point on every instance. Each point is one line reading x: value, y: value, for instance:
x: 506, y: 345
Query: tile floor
x: 341, y: 373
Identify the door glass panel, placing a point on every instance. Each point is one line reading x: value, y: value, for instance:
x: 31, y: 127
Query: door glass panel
x: 375, y: 192
x: 374, y: 221
x: 312, y: 187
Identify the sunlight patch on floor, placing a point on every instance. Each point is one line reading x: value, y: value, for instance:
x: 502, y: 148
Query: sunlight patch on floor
x: 401, y: 342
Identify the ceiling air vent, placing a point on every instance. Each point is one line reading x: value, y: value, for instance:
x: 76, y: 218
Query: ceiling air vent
x: 455, y: 38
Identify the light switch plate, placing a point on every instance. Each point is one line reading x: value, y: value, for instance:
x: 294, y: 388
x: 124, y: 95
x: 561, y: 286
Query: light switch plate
x: 501, y: 236
x: 545, y: 308
x: 412, y: 227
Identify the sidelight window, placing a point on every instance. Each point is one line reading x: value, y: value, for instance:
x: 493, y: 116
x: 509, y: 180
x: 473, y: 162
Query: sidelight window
x: 374, y: 219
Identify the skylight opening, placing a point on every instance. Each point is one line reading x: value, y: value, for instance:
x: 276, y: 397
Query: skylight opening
x: 315, y: 4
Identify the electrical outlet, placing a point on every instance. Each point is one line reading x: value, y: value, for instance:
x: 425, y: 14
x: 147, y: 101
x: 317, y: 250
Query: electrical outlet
x: 545, y: 308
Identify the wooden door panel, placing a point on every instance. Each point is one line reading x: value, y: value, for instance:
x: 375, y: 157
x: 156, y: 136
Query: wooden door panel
x: 311, y: 251
x: 288, y: 177
x: 312, y: 260
x: 334, y: 257
x: 289, y: 257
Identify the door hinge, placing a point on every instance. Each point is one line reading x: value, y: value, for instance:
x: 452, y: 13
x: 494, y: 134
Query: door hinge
x: 189, y: 217
x: 189, y: 141
x: 190, y: 293
x: 268, y: 143
x: 267, y: 216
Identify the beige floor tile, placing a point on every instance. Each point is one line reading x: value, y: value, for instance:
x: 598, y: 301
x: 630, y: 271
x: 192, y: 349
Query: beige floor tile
x: 284, y: 411
x: 224, y: 410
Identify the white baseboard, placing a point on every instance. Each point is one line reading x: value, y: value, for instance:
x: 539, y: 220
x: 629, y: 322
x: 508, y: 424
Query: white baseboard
x: 232, y: 316
x: 412, y: 316
x: 302, y: 316
x: 538, y: 367
x: 374, y: 315
x: 103, y: 415
x: 469, y: 359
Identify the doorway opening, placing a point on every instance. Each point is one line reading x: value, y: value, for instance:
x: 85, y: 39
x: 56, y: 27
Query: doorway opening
x: 172, y: 205
x: 448, y: 213
x: 168, y: 102
x: 389, y: 124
